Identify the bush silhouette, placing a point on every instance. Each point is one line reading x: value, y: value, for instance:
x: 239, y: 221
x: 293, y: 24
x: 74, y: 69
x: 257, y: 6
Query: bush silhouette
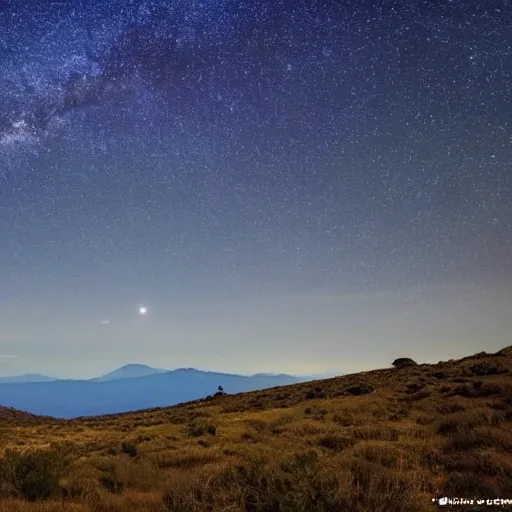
x: 403, y: 362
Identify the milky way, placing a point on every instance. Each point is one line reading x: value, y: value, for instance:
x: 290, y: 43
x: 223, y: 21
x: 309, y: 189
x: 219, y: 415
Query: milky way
x: 199, y: 149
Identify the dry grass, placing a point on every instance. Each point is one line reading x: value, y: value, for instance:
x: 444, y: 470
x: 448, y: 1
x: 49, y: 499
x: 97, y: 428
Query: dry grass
x: 376, y: 441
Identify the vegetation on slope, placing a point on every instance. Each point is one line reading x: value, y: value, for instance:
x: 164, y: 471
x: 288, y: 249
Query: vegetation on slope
x: 383, y: 440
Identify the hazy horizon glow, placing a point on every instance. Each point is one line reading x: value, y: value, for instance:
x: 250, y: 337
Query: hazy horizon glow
x: 288, y: 187
x: 355, y: 332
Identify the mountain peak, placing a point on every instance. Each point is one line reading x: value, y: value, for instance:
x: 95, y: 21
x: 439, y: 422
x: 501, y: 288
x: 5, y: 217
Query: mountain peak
x: 26, y: 377
x: 129, y: 371
x: 135, y: 366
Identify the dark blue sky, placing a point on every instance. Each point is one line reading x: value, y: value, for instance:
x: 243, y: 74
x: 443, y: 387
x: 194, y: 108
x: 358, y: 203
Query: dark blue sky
x: 258, y: 160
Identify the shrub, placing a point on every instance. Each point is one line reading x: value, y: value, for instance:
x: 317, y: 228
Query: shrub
x: 317, y: 414
x: 316, y: 392
x: 174, y: 501
x: 249, y: 437
x: 336, y: 443
x: 258, y: 425
x: 476, y: 391
x: 129, y: 448
x: 33, y: 475
x: 359, y: 389
x: 345, y: 420
x: 301, y: 462
x: 487, y: 369
x: 450, y: 408
x: 199, y: 428
x: 403, y: 362
x: 468, y: 484
x: 463, y: 440
x: 420, y: 395
x: 383, y: 455
x: 111, y: 482
x: 381, y: 488
x: 413, y: 386
x: 464, y: 421
x: 375, y: 433
x: 478, y: 462
x: 424, y: 419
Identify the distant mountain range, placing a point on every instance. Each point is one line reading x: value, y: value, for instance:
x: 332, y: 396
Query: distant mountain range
x: 27, y: 377
x: 131, y: 371
x: 321, y: 376
x: 128, y: 388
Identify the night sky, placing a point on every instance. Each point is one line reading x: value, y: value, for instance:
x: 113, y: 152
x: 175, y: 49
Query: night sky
x: 289, y: 186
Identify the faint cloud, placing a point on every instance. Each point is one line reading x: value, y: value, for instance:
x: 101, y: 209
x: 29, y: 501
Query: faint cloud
x: 322, y: 298
x: 104, y: 322
x: 414, y: 292
x: 4, y: 357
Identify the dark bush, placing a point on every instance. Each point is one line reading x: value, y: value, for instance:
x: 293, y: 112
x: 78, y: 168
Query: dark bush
x: 403, y: 362
x: 487, y: 369
x: 480, y: 390
x: 200, y: 428
x: 359, y: 389
x: 413, y: 386
x: 464, y: 390
x: 129, y: 448
x: 33, y: 475
x: 468, y: 484
x: 111, y: 482
x: 336, y: 443
x: 314, y: 393
x: 420, y: 395
x: 172, y: 500
x: 450, y: 408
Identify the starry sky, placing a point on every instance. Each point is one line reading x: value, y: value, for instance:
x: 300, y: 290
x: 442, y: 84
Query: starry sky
x: 290, y: 186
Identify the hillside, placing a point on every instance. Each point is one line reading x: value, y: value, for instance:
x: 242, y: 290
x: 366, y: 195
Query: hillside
x: 12, y: 417
x: 383, y: 440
